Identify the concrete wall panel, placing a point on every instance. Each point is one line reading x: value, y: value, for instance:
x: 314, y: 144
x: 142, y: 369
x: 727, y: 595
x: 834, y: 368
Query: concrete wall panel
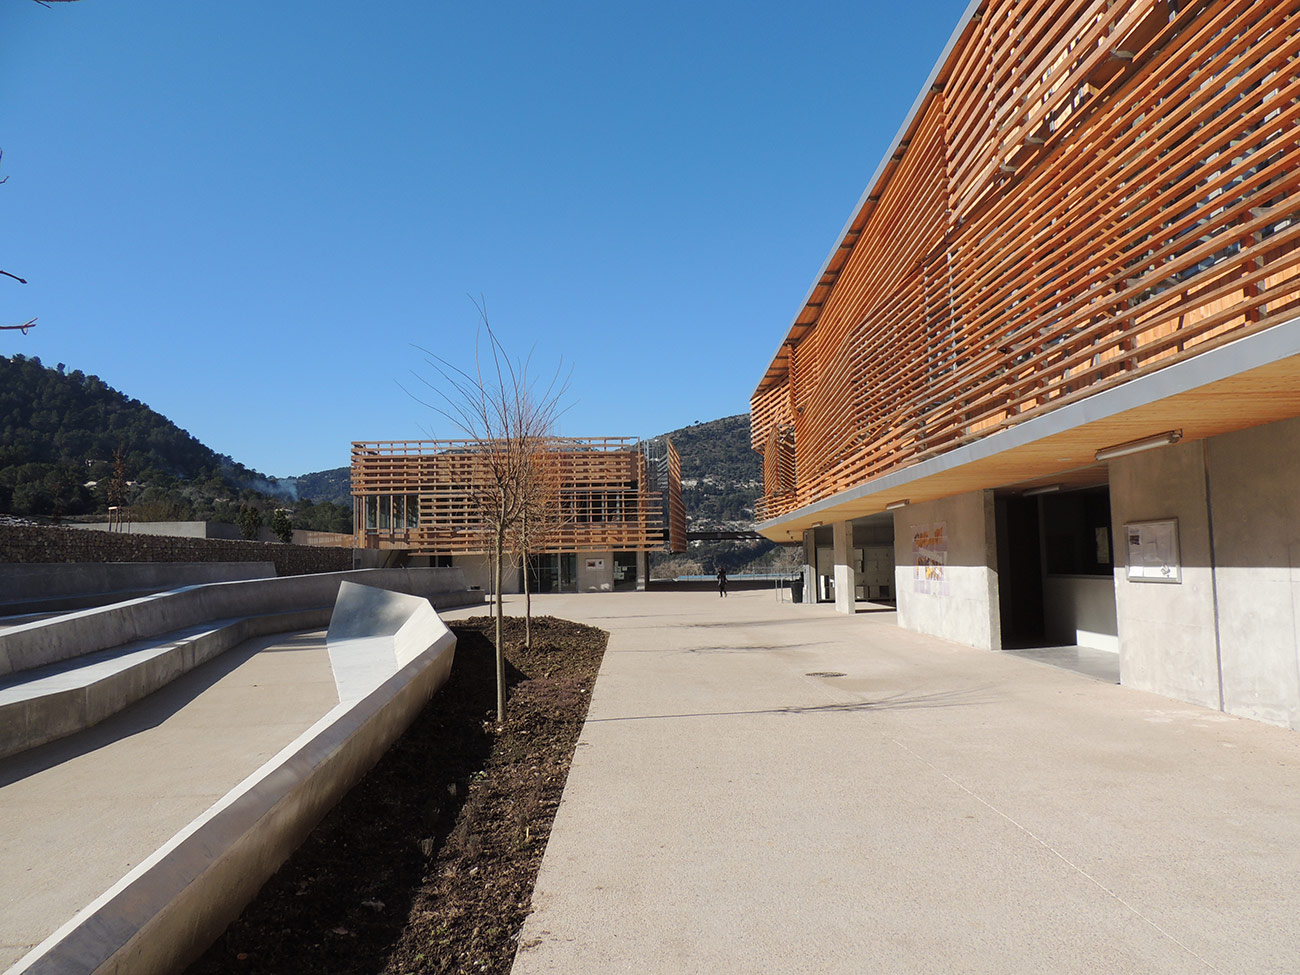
x: 1166, y: 632
x: 1255, y: 501
x: 1081, y: 610
x: 48, y: 580
x: 598, y: 578
x: 963, y: 605
x: 478, y: 572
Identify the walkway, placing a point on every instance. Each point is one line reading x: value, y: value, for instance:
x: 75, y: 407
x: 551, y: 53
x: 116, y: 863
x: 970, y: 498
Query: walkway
x: 736, y: 807
x: 79, y: 813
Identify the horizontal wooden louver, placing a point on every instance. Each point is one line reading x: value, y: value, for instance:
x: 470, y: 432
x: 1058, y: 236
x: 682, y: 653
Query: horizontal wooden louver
x: 1094, y: 190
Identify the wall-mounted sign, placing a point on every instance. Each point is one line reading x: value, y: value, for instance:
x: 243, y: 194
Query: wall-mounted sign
x: 1153, y: 551
x: 930, y: 558
x: 595, y: 563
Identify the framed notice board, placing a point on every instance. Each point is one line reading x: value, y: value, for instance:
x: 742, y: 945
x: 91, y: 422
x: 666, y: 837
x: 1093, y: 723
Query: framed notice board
x: 1153, y: 551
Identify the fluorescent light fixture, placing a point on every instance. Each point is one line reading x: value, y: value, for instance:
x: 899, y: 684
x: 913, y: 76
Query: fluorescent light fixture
x: 816, y: 524
x: 1136, y: 446
x: 1045, y: 489
x: 895, y: 505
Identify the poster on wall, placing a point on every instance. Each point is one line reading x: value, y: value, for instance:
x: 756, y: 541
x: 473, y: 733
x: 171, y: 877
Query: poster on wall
x: 1153, y: 551
x: 595, y: 563
x: 930, y: 558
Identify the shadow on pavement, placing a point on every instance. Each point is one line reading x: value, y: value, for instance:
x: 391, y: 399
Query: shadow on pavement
x: 896, y: 702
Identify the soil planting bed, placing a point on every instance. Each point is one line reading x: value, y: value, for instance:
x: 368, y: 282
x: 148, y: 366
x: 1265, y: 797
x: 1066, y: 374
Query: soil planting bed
x: 428, y: 864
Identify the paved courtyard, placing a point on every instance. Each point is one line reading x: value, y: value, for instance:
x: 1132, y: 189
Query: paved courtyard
x: 736, y: 806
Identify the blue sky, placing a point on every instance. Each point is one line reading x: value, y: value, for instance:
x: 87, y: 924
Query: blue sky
x: 245, y: 215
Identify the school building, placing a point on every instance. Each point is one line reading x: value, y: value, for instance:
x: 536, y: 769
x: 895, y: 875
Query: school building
x: 1045, y: 390
x: 611, y: 501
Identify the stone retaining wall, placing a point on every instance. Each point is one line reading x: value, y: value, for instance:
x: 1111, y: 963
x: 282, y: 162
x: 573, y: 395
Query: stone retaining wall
x: 25, y: 543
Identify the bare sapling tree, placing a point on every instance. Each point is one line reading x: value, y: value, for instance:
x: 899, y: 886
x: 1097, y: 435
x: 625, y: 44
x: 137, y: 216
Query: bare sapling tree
x: 541, y: 516
x: 507, y: 415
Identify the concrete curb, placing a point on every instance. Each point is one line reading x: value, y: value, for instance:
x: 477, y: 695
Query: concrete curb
x: 166, y: 911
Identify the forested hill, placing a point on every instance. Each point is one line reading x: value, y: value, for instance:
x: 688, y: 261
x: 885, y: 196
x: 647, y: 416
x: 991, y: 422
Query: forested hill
x: 65, y: 437
x: 722, y: 475
x: 333, y: 485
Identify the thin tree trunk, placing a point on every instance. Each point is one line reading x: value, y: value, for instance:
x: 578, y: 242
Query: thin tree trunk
x: 528, y: 594
x: 501, y: 654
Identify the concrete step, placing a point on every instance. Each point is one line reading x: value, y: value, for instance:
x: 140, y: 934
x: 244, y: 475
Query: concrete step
x: 46, y: 703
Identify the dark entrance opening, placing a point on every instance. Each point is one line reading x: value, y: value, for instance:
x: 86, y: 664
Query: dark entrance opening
x: 1020, y: 573
x: 624, y: 571
x: 553, y: 573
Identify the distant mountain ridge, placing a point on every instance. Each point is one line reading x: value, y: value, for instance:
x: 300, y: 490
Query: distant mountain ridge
x: 333, y: 485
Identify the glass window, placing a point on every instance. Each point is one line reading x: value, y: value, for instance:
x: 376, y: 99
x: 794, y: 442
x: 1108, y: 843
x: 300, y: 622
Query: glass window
x: 372, y: 511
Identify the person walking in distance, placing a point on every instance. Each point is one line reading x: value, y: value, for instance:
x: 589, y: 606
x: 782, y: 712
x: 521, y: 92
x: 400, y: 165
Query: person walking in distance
x: 722, y: 582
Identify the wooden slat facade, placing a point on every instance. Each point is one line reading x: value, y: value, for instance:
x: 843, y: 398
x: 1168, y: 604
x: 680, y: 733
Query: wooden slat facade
x: 676, y: 506
x: 417, y: 495
x: 1090, y: 191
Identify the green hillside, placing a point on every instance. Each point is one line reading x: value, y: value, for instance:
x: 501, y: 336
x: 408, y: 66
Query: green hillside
x: 722, y: 476
x: 69, y: 441
x: 333, y: 485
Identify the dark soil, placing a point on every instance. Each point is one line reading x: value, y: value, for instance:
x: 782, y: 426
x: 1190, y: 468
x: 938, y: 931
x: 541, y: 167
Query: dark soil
x: 428, y: 864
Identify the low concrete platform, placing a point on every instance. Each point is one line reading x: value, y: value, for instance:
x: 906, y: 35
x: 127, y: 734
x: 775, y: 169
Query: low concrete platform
x: 80, y: 812
x: 763, y: 787
x: 47, y: 703
x: 386, y: 652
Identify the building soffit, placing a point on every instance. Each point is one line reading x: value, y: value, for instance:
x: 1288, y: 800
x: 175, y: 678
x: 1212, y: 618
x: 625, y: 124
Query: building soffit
x: 1244, y: 383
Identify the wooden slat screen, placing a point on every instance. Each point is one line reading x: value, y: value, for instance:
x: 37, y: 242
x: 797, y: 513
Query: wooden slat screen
x: 1095, y: 189
x: 417, y: 495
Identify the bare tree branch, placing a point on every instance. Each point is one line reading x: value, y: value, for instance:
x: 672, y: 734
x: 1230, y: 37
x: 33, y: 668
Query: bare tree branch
x: 509, y: 419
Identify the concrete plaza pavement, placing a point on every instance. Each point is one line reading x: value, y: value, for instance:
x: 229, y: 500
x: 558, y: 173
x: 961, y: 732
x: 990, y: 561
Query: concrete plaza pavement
x: 939, y: 809
x: 77, y: 814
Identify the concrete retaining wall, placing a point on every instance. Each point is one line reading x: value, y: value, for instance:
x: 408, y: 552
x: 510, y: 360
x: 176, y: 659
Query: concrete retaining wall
x: 34, y: 584
x: 166, y: 911
x: 26, y: 543
x: 65, y: 637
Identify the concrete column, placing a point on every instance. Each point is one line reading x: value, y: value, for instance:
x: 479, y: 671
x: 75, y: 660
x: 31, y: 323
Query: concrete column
x: 958, y: 598
x: 842, y: 540
x: 809, y: 569
x: 642, y: 570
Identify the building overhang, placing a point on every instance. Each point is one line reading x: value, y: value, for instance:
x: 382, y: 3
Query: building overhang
x: 1244, y: 383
